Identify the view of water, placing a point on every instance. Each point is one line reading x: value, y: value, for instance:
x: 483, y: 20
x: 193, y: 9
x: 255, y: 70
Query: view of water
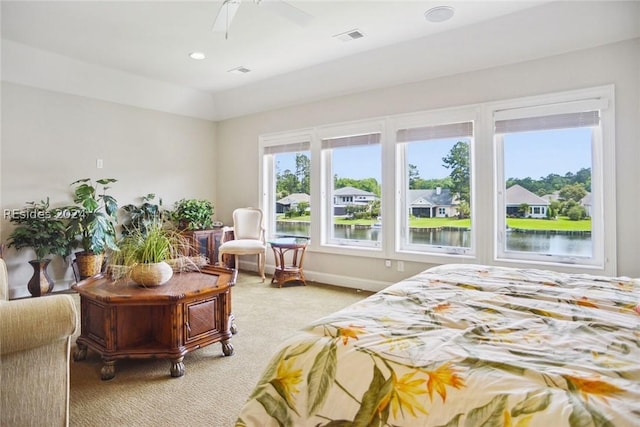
x: 554, y: 244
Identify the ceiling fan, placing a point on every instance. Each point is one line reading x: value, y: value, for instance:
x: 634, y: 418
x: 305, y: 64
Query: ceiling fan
x: 279, y: 7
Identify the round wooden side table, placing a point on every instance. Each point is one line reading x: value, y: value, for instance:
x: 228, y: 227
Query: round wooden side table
x: 288, y: 270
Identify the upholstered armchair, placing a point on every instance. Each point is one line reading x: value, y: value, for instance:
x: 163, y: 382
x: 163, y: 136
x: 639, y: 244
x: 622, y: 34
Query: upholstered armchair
x: 248, y: 237
x: 35, y: 339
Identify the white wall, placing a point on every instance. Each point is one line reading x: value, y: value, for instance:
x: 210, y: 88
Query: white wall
x: 50, y: 139
x: 617, y: 63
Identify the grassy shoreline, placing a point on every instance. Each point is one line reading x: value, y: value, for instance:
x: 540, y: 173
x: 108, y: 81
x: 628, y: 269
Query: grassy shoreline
x: 560, y: 224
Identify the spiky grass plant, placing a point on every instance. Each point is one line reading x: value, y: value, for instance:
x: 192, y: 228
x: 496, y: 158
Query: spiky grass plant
x: 155, y: 244
x: 149, y: 245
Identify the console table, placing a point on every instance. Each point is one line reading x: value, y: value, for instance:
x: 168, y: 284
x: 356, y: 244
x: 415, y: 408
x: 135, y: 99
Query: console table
x: 207, y: 242
x: 123, y: 320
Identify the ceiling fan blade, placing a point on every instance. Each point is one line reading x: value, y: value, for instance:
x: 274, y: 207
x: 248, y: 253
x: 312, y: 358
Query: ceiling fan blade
x: 288, y: 12
x: 225, y: 15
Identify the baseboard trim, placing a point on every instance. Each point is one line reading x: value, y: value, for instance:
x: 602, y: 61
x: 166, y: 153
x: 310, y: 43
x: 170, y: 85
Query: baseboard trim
x: 327, y: 278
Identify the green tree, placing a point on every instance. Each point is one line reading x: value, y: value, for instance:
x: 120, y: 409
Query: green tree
x: 458, y: 162
x: 413, y: 176
x: 576, y: 213
x: 358, y: 211
x: 289, y: 182
x: 301, y: 209
x: 426, y: 184
x: 374, y: 208
x: 573, y: 192
x: 286, y: 183
x: 583, y: 176
x: 553, y: 182
x: 464, y: 210
x: 367, y: 184
x: 566, y: 207
x: 554, y: 208
x: 303, y: 173
x: 550, y: 213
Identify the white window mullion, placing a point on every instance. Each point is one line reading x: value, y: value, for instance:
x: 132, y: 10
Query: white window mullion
x: 500, y: 220
x: 327, y: 196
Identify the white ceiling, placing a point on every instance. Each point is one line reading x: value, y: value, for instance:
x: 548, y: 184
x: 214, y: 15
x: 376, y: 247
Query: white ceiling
x: 292, y: 63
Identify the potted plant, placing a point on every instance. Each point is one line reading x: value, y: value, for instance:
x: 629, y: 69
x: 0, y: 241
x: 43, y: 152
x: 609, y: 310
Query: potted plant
x: 193, y: 214
x: 147, y: 253
x: 92, y: 223
x: 44, y: 230
x: 142, y: 216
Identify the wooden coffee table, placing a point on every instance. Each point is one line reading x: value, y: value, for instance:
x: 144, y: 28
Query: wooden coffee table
x: 122, y: 320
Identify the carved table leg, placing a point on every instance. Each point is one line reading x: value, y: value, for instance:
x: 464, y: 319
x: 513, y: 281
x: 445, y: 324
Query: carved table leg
x: 227, y: 348
x: 108, y: 370
x: 80, y: 353
x: 177, y: 367
x: 232, y: 328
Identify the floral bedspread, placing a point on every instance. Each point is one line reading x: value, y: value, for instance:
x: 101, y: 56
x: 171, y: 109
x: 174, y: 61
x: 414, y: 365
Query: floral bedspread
x: 464, y: 345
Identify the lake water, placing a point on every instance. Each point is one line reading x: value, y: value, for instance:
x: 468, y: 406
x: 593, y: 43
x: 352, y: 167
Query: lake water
x: 554, y: 244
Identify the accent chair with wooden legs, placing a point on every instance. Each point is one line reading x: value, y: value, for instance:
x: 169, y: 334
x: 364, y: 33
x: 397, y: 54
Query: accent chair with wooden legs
x: 248, y: 237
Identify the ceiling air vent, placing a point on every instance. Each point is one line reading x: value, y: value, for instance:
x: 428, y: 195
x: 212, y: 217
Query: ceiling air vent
x: 239, y: 70
x: 349, y: 35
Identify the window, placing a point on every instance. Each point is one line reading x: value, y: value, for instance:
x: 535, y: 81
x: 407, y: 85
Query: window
x: 551, y: 181
x: 352, y: 167
x: 287, y: 185
x: 520, y: 181
x: 435, y: 184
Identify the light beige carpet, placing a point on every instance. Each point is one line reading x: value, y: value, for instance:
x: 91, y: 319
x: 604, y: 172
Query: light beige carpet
x: 214, y: 387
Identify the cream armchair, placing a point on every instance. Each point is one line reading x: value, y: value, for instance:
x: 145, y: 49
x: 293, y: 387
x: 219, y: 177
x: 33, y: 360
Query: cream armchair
x: 35, y: 339
x: 248, y: 237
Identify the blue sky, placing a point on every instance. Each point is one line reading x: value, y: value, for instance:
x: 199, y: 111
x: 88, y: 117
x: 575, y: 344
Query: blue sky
x: 560, y: 151
x: 527, y: 154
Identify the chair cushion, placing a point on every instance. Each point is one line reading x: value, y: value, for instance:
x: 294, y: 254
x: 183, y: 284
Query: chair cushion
x: 243, y: 245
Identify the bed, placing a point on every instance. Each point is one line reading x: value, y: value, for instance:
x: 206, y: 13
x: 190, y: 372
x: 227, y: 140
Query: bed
x: 464, y: 345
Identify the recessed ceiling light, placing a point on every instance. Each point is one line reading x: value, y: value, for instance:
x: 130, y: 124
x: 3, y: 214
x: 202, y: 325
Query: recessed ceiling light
x: 197, y: 55
x: 239, y: 70
x: 439, y: 14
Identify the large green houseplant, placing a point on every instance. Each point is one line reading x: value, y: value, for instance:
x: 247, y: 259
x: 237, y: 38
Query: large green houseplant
x: 142, y: 216
x: 193, y: 214
x: 44, y: 230
x: 93, y: 221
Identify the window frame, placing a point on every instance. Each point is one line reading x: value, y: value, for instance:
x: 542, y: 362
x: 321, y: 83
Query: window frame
x: 267, y: 170
x: 403, y: 247
x: 603, y: 225
x: 327, y: 242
